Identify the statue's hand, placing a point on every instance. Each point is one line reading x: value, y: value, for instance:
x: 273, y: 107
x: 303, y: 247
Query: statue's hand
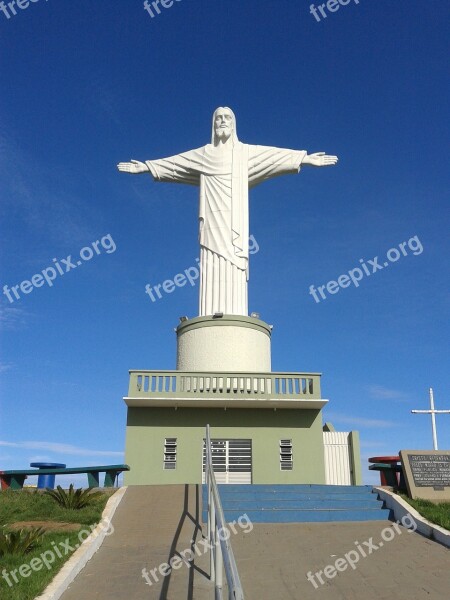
x: 319, y: 159
x: 135, y: 166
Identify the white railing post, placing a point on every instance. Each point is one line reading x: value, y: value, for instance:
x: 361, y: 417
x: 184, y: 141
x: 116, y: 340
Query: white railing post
x: 207, y: 480
x: 218, y: 567
x: 212, y: 541
x: 221, y: 554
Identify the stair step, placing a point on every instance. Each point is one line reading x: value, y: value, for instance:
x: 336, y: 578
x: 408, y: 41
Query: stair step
x: 309, y: 516
x: 292, y: 496
x: 260, y: 504
x: 297, y: 503
x: 299, y: 487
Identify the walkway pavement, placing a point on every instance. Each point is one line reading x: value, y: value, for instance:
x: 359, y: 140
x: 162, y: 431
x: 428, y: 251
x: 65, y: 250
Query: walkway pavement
x: 274, y: 561
x: 153, y: 523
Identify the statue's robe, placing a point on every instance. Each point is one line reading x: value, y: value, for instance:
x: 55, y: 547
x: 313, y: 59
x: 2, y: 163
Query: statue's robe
x: 224, y: 177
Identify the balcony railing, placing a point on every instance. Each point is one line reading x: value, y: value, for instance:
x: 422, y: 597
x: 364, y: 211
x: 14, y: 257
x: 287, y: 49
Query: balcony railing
x: 188, y: 385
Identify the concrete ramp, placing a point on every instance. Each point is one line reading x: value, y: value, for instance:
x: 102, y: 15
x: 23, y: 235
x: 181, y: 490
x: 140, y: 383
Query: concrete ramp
x: 151, y: 525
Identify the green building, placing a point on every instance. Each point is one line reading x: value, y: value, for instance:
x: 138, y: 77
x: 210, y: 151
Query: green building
x: 266, y: 427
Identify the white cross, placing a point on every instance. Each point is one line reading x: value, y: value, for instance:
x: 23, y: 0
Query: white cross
x: 433, y: 412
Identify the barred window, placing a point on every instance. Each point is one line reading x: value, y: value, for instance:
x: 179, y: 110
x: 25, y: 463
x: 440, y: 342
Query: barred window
x: 170, y: 453
x: 286, y: 459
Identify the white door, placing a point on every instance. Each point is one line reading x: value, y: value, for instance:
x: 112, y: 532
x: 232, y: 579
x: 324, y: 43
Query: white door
x: 338, y: 470
x: 232, y: 460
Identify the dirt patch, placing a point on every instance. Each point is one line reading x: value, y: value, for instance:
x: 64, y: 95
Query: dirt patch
x: 46, y: 525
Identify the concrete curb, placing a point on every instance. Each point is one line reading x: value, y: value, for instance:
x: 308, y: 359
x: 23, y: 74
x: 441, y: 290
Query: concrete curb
x: 85, y: 552
x: 401, y: 508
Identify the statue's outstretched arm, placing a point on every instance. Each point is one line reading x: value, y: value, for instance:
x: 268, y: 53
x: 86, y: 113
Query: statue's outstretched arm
x: 319, y: 159
x: 134, y: 167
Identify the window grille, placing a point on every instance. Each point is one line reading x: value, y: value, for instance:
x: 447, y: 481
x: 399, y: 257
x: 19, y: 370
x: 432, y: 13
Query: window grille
x: 170, y: 453
x: 286, y: 458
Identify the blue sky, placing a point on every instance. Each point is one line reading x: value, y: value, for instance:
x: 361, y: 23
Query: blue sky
x: 88, y: 84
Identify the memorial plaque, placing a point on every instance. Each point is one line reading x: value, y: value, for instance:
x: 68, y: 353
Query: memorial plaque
x: 427, y: 474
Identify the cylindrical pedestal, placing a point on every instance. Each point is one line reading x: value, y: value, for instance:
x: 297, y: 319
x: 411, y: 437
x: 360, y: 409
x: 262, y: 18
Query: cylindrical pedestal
x: 228, y: 343
x: 47, y: 481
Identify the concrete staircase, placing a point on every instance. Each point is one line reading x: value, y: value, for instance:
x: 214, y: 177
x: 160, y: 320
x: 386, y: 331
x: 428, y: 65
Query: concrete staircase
x: 300, y: 503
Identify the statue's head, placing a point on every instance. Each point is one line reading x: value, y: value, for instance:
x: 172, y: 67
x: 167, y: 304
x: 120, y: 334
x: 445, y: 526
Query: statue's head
x: 223, y: 125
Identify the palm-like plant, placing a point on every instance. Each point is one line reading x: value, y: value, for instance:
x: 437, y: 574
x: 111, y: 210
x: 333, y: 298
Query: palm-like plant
x: 20, y: 542
x: 73, y: 499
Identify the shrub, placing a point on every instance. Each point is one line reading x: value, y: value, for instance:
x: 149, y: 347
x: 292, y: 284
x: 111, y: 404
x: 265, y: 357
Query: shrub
x: 73, y: 499
x: 20, y: 542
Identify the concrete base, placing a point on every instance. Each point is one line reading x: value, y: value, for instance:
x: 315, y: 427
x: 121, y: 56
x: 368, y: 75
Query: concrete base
x: 229, y: 343
x: 411, y: 518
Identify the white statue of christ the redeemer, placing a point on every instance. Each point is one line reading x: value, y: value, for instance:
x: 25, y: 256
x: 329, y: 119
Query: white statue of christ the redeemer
x: 225, y: 170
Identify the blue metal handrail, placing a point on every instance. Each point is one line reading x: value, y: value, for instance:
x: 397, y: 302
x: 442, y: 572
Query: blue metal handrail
x: 221, y: 552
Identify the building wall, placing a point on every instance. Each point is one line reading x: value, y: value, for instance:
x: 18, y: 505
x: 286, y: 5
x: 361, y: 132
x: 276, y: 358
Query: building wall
x: 355, y: 453
x: 147, y: 428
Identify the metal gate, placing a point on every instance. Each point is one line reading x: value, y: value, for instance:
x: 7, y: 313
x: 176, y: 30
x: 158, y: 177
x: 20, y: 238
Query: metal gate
x: 231, y: 459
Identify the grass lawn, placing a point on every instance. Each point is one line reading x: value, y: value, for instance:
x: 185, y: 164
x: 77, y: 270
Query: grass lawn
x: 436, y: 513
x: 25, y: 506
